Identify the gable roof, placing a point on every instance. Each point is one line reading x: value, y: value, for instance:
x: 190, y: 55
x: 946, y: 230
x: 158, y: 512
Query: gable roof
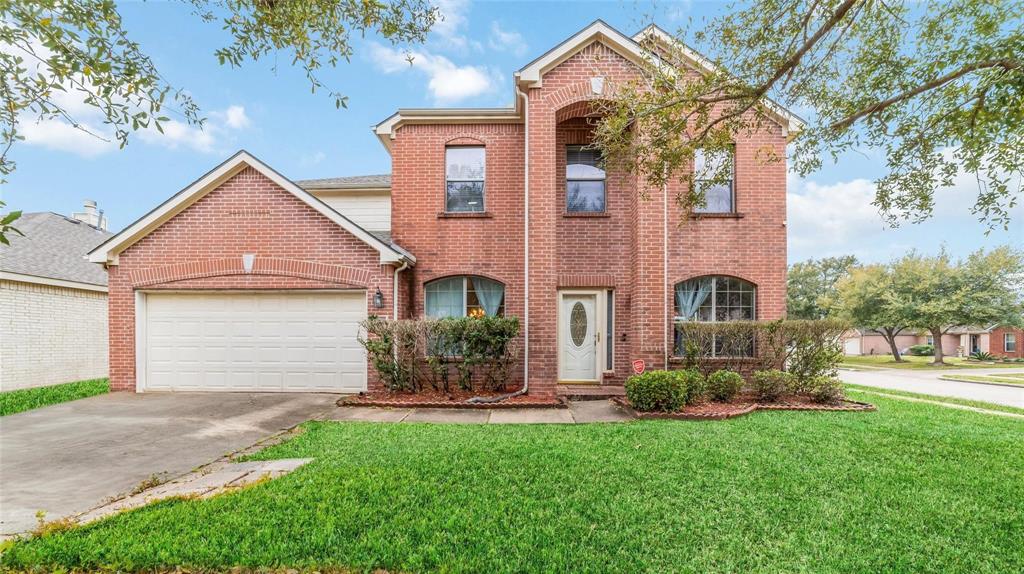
x: 380, y: 181
x: 532, y: 74
x: 53, y: 247
x: 108, y: 251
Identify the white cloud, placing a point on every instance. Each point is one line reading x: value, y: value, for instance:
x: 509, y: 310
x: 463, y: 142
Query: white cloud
x: 450, y: 25
x: 447, y: 82
x: 506, y: 41
x: 206, y: 139
x: 312, y: 159
x: 59, y: 135
x: 234, y: 117
x: 830, y: 219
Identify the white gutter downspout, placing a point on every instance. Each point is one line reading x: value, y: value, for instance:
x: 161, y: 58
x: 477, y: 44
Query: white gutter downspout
x: 526, y: 259
x: 394, y: 290
x: 664, y: 282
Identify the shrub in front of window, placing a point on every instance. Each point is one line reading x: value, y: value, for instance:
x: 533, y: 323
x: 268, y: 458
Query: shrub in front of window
x: 772, y: 384
x: 921, y: 350
x: 409, y: 353
x: 657, y: 391
x: 826, y: 390
x: 724, y: 385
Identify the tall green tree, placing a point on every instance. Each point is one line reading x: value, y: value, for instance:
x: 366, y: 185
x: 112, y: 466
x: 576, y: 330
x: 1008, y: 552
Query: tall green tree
x: 938, y: 293
x: 56, y: 51
x: 811, y: 284
x: 866, y: 298
x: 934, y: 87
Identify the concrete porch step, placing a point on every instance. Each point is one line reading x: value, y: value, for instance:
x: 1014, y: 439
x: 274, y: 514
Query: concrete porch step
x: 589, y: 392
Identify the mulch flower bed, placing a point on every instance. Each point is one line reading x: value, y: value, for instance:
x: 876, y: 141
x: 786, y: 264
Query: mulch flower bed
x: 455, y: 399
x: 742, y: 405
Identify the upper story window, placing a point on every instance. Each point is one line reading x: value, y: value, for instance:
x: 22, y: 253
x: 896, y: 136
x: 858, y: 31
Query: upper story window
x: 584, y: 180
x: 465, y: 167
x: 1009, y: 343
x: 465, y: 296
x: 710, y: 170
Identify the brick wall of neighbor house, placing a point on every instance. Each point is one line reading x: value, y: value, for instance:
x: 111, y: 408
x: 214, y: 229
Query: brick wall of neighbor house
x: 51, y: 335
x: 202, y: 248
x: 997, y: 341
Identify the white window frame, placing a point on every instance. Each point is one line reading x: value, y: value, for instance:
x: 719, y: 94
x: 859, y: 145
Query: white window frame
x: 1006, y: 342
x: 609, y: 305
x: 714, y: 291
x: 732, y: 183
x: 482, y: 180
x: 603, y: 180
x: 465, y: 293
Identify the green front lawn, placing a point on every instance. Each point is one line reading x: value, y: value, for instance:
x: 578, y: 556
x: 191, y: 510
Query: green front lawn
x: 951, y: 400
x: 912, y: 362
x: 910, y: 488
x: 27, y: 399
x: 1004, y: 379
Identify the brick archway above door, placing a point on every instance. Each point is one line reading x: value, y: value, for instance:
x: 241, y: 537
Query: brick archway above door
x: 260, y: 266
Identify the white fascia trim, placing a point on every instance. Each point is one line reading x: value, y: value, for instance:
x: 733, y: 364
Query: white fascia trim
x: 50, y: 281
x: 385, y: 131
x: 108, y: 251
x: 788, y: 119
x: 532, y: 75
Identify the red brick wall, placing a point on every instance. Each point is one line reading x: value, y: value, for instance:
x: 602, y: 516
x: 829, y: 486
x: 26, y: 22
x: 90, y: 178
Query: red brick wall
x: 202, y: 248
x: 625, y: 249
x: 997, y: 342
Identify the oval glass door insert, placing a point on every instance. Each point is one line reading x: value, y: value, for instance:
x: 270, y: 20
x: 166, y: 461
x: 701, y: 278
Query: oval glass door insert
x: 578, y: 324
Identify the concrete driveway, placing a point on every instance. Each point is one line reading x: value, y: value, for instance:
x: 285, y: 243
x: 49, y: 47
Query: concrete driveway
x: 929, y: 383
x: 68, y: 458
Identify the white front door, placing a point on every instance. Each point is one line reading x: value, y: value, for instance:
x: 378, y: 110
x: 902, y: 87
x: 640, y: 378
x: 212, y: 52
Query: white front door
x: 578, y: 337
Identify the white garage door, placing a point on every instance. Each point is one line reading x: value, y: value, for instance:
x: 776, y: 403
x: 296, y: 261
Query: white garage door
x: 246, y: 341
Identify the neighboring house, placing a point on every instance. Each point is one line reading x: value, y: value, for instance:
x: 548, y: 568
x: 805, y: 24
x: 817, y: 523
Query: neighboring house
x: 53, y: 303
x: 997, y: 340
x: 246, y: 280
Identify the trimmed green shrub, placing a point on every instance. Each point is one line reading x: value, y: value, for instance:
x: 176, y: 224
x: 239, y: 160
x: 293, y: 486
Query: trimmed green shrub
x: 982, y: 356
x: 921, y: 350
x: 724, y: 385
x: 662, y: 391
x: 696, y: 385
x: 826, y: 390
x: 772, y: 384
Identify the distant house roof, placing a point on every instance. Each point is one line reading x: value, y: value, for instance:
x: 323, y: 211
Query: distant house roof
x: 348, y: 182
x: 53, y: 247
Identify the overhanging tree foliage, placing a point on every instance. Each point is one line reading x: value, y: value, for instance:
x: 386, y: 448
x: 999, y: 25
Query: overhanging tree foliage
x: 936, y: 87
x: 55, y: 52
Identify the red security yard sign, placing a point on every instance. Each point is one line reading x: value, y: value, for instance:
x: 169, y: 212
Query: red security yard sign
x: 639, y: 366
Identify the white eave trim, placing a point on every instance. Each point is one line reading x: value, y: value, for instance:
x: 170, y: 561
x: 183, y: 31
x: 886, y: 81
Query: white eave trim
x: 385, y: 131
x: 108, y: 251
x: 532, y: 75
x: 50, y: 281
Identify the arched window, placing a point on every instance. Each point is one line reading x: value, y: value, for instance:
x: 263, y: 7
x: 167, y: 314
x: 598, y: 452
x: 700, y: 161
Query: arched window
x: 465, y: 296
x: 715, y: 298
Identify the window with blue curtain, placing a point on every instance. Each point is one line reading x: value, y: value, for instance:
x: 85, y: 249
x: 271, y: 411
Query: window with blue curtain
x: 714, y: 298
x: 465, y: 296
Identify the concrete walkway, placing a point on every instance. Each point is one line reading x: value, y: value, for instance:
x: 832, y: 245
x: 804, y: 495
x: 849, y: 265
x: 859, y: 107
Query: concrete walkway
x: 578, y: 412
x: 929, y: 382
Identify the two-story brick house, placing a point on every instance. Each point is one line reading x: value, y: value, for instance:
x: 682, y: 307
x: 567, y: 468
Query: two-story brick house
x: 246, y: 280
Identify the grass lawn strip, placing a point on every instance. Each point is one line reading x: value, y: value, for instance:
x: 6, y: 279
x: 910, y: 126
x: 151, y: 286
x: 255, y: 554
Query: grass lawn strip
x: 982, y: 405
x: 912, y: 487
x: 914, y: 362
x: 948, y: 405
x: 21, y: 400
x: 1014, y: 379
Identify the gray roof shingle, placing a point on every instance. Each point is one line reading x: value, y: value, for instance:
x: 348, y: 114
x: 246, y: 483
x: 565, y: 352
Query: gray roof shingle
x: 348, y: 182
x: 54, y: 246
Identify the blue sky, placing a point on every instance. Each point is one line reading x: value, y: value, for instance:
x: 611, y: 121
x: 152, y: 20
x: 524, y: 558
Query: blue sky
x: 468, y: 61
